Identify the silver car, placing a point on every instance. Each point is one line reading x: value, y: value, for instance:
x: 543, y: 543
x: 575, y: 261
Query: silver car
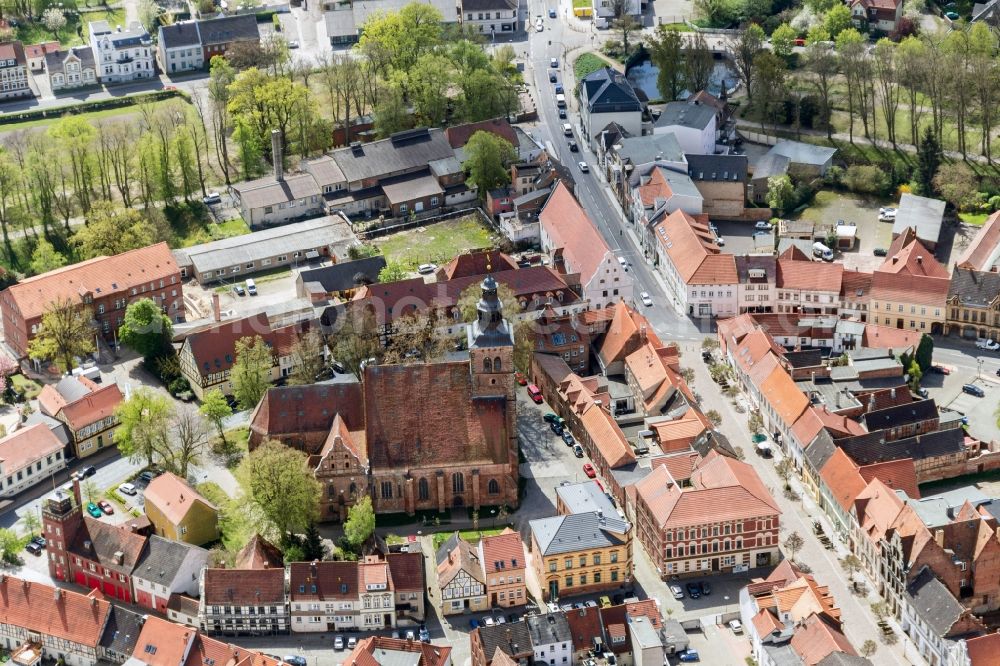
x: 677, y: 591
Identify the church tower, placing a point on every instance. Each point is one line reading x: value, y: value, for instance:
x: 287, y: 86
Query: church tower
x: 491, y: 345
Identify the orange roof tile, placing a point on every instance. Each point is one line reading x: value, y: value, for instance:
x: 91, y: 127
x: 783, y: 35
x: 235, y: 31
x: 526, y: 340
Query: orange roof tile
x: 607, y: 437
x: 50, y: 401
x: 981, y: 253
x: 570, y: 228
x: 765, y: 622
x: 174, y: 497
x: 842, y: 478
x: 93, y: 407
x: 49, y: 611
x: 680, y: 431
x: 911, y: 275
x: 897, y: 474
x: 984, y: 650
x: 878, y: 508
x: 810, y: 275
x: 785, y: 398
x: 503, y: 551
x: 839, y: 424
x: 624, y: 334
x: 733, y: 329
x: 163, y: 643
x: 25, y: 446
x: 816, y: 639
x: 100, y: 275
x: 885, y: 337
x: 853, y: 282
x: 584, y: 625
x: 259, y: 553
x: 807, y: 427
x: 680, y: 465
x: 656, y: 188
x: 693, y: 252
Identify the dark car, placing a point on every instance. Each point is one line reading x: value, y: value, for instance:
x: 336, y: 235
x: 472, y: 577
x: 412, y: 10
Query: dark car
x: 38, y: 541
x: 578, y: 451
x: 90, y: 470
x: 240, y: 291
x: 972, y: 389
x: 706, y: 356
x: 880, y: 252
x: 552, y: 13
x: 567, y: 437
x: 34, y: 549
x: 690, y: 655
x: 573, y: 147
x: 553, y: 77
x: 693, y: 590
x: 562, y: 114
x: 559, y: 89
x: 556, y: 428
x: 706, y: 588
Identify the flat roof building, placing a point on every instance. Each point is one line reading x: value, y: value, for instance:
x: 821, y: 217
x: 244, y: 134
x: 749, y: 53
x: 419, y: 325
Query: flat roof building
x: 923, y: 214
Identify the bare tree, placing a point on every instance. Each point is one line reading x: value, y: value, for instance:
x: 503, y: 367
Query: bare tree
x: 743, y: 49
x: 887, y: 83
x: 188, y: 443
x: 793, y: 544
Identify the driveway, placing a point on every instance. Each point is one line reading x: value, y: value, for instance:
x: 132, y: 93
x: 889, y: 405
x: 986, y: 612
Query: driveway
x: 830, y: 207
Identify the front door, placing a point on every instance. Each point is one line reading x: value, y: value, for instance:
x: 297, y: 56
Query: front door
x: 553, y: 589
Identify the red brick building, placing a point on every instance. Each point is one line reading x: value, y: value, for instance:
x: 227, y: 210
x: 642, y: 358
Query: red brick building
x: 106, y: 285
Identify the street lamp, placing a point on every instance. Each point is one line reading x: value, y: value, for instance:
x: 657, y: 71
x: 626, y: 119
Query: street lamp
x: 493, y: 515
x: 726, y: 599
x: 979, y: 368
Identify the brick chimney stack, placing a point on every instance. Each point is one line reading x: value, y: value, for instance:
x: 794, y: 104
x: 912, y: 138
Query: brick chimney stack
x: 277, y: 156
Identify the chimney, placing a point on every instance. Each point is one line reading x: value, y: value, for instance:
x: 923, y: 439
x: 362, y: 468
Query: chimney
x: 77, y: 495
x: 939, y: 537
x: 895, y: 259
x: 642, y: 332
x: 216, y: 308
x: 920, y: 259
x: 119, y: 557
x: 58, y: 594
x: 892, y: 393
x: 871, y: 402
x: 277, y: 156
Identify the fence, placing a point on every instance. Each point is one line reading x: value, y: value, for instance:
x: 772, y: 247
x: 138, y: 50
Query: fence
x: 393, y: 225
x: 758, y: 137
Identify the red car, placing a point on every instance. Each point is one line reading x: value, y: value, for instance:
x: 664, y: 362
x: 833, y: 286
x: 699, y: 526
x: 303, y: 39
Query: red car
x: 941, y: 370
x: 800, y: 42
x: 589, y: 470
x: 106, y: 507
x: 521, y: 379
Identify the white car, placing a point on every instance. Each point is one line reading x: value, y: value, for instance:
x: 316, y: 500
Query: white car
x: 351, y: 642
x: 211, y: 198
x: 554, y: 63
x: 736, y: 626
x: 646, y: 300
x: 583, y: 167
x: 986, y: 343
x: 677, y: 591
x: 763, y: 225
x: 539, y: 26
x: 127, y: 488
x: 338, y: 643
x: 886, y: 214
x: 425, y: 269
x: 720, y: 241
x: 488, y: 621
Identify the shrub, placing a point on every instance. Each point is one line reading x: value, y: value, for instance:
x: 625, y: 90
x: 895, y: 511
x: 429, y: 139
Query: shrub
x: 994, y: 203
x: 179, y: 385
x: 865, y: 179
x: 834, y: 176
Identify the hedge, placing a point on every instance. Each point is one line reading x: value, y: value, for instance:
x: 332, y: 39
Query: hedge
x: 90, y: 107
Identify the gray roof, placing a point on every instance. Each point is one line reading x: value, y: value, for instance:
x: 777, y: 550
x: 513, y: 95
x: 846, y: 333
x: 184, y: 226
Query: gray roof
x: 342, y: 276
x: 324, y: 170
x: 771, y: 164
x: 445, y: 549
x: 384, y: 656
x: 608, y: 91
x: 682, y: 114
x: 783, y: 655
x: 899, y: 415
x: 513, y: 638
x: 643, y: 634
x: 586, y: 496
x: 72, y: 389
x: 843, y: 659
x: 270, y: 192
x: 162, y: 559
x: 121, y: 632
x: 401, y: 189
x: 680, y: 183
x: 933, y: 602
x: 646, y: 149
x: 178, y: 35
x: 986, y: 11
x: 872, y: 448
x: 923, y: 214
x: 940, y: 509
x: 226, y: 29
x: 402, y: 151
x: 548, y: 629
x: 484, y: 5
x: 729, y: 168
x: 57, y: 427
x: 746, y: 262
x: 804, y: 153
x: 54, y: 62
x: 820, y: 450
x: 252, y: 247
x: 445, y: 166
x: 579, y: 531
x: 974, y: 288
x: 133, y: 35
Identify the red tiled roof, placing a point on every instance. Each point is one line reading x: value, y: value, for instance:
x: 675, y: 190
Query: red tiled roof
x: 163, y: 643
x: 100, y: 542
x: 911, y: 275
x: 50, y: 401
x: 765, y: 622
x: 214, y: 348
x: 459, y: 135
x: 570, y: 228
x: 93, y: 407
x: 24, y: 446
x: 978, y: 253
x: 810, y: 275
x: 853, y: 282
x: 174, y: 497
x: 624, y: 334
x: 370, y: 651
x: 407, y: 570
x: 680, y: 465
x: 842, y: 478
x: 984, y: 650
x: 897, y: 474
x: 735, y: 329
x: 244, y: 587
x: 656, y: 188
x: 259, y: 553
x: 607, y: 437
x: 100, y: 275
x: 838, y: 424
x: 12, y: 51
x: 816, y: 638
x: 692, y: 249
x: 323, y: 581
x: 476, y: 263
x: 206, y: 650
x: 584, y: 625
x: 785, y: 398
x: 308, y: 409
x: 49, y: 611
x: 807, y: 426
x: 502, y: 552
x: 884, y: 337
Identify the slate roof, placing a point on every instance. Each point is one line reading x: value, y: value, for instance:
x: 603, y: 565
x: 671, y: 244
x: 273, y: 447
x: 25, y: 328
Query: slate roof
x: 267, y: 191
x: 819, y: 452
x: 512, y: 638
x: 105, y: 540
x: 933, y: 602
x: 871, y: 448
x: 646, y: 149
x: 162, y: 559
x: 121, y: 633
x: 803, y: 153
x: 925, y: 215
x: 55, y: 61
x: 893, y: 417
x: 548, y: 629
x: 608, y: 91
x: 771, y: 164
x: 728, y: 168
x: 695, y: 116
x: 974, y: 288
x: 181, y: 34
x: 402, y: 151
x: 227, y: 29
x: 585, y: 496
x: 341, y: 276
x: 578, y: 531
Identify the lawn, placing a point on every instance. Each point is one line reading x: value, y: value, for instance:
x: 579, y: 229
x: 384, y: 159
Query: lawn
x: 76, y: 32
x: 582, y: 4
x: 93, y: 116
x: 437, y: 243
x: 472, y: 536
x: 587, y: 64
x: 29, y: 387
x: 975, y: 219
x: 213, y: 231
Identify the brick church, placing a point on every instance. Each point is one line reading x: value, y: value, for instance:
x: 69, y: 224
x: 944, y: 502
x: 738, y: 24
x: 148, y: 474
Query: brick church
x: 415, y: 437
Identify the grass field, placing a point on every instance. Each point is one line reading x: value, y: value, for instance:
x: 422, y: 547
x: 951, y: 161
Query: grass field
x: 977, y: 219
x: 76, y: 31
x: 437, y: 243
x: 93, y: 116
x: 472, y: 536
x: 587, y: 64
x: 213, y: 231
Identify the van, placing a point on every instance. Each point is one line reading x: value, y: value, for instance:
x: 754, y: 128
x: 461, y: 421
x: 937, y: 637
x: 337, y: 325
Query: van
x: 561, y: 101
x: 251, y: 287
x: 567, y: 129
x: 92, y: 373
x: 822, y: 251
x: 535, y: 394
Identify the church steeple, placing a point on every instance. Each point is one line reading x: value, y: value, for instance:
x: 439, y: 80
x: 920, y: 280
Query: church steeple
x: 490, y: 328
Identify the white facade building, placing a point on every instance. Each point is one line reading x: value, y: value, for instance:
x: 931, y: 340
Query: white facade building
x: 122, y: 55
x: 28, y: 456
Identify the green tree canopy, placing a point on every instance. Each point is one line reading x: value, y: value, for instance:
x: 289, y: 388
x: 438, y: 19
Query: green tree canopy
x: 279, y: 486
x: 360, y: 523
x: 251, y: 372
x: 837, y: 19
x: 216, y: 409
x: 395, y: 40
x: 145, y: 328
x: 487, y: 159
x: 393, y: 271
x: 46, y: 258
x: 783, y: 40
x: 112, y: 229
x: 66, y: 332
x: 665, y: 47
x: 144, y: 424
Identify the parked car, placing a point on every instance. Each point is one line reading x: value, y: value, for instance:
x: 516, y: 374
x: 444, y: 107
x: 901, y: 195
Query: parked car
x: 94, y: 510
x: 338, y: 642
x: 425, y: 636
x: 539, y: 25
x: 736, y: 626
x: 127, y: 489
x: 972, y: 389
x: 562, y: 114
x: 646, y: 300
x: 553, y: 77
x: 294, y: 660
x: 693, y: 590
x: 567, y: 437
x: 578, y: 451
x: 573, y: 147
x: 758, y: 234
x: 38, y: 541
x: 552, y: 12
x: 106, y: 507
x: 590, y: 603
x: 33, y: 548
x: 952, y: 16
x: 940, y: 370
x: 521, y: 379
x: 211, y: 198
x: 551, y: 417
x: 689, y: 655
x: 239, y: 290
x: 351, y: 642
x: 987, y: 344
x: 589, y: 470
x: 251, y: 287
x: 554, y: 63
x: 706, y: 588
x: 559, y: 89
x: 410, y: 635
x: 605, y: 601
x: 556, y: 428
x: 887, y: 214
x: 763, y: 225
x: 583, y: 167
x: 566, y: 608
x: 426, y: 269
x: 880, y: 252
x: 720, y: 241
x: 922, y: 392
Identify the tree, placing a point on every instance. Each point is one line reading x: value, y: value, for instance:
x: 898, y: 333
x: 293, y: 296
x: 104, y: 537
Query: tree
x: 146, y: 329
x: 822, y: 64
x: 714, y: 417
x: 144, y: 424
x: 784, y: 470
x: 929, y: 158
x: 699, y: 63
x: 91, y: 493
x: 391, y: 114
x: 113, y: 229
x: 851, y: 564
x: 755, y: 423
x: 11, y: 545
x: 45, y: 258
x: 836, y: 20
x: 31, y: 523
x: 356, y: 337
x: 793, y: 544
x: 884, y: 66
x: 185, y: 448
x: 312, y: 546
x: 487, y: 158
x: 780, y: 192
x: 710, y: 343
x: 66, y: 332
x: 915, y: 374
x: 308, y: 359
x: 216, y: 409
x: 395, y: 40
x: 427, y: 84
x: 149, y: 13
x: 783, y: 40
x: 251, y: 373
x: 868, y: 648
x: 625, y: 25
x: 925, y: 353
x: 393, y: 271
x: 769, y: 84
x: 956, y: 183
x: 743, y: 49
x: 54, y: 20
x: 360, y: 523
x: 666, y: 52
x: 279, y: 486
